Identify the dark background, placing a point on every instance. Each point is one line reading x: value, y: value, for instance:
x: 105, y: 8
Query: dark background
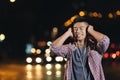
x: 24, y: 19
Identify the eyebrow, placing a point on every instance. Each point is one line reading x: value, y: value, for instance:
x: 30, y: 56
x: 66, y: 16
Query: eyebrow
x: 78, y: 26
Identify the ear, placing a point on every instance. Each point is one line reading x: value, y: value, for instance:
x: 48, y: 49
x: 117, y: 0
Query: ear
x: 87, y: 28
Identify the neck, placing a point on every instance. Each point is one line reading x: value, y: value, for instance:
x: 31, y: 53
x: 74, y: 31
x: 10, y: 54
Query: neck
x: 80, y: 43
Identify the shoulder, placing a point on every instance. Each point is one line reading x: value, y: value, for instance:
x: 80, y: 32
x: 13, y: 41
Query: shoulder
x: 105, y: 39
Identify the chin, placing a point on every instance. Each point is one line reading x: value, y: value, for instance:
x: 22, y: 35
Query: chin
x: 80, y: 39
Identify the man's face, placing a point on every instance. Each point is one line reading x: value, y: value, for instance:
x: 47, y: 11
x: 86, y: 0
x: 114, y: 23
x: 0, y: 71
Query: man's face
x: 79, y: 29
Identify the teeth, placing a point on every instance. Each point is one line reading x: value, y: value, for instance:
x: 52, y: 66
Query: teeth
x: 79, y: 34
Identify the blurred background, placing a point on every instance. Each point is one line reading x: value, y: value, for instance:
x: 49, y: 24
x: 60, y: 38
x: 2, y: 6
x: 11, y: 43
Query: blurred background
x: 28, y: 27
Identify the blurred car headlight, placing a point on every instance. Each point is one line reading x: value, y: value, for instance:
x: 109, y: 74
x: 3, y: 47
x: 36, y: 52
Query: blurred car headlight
x: 28, y: 59
x: 48, y: 59
x: 59, y: 59
x: 38, y: 60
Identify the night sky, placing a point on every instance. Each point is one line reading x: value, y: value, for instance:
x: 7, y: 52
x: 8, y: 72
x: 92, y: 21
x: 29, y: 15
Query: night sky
x: 24, y: 19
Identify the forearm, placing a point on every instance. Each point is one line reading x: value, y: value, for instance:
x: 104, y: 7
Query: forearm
x: 60, y: 40
x: 97, y: 35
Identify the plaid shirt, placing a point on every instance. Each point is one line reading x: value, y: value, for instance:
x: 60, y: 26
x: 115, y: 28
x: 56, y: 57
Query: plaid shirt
x: 94, y: 58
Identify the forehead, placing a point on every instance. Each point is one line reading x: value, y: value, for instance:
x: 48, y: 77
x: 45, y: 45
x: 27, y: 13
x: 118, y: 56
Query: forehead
x: 78, y: 24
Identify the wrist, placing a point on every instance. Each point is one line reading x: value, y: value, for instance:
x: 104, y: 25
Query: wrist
x: 67, y: 34
x: 90, y: 29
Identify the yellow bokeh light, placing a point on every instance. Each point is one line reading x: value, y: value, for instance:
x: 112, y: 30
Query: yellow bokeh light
x: 59, y: 58
x: 48, y: 59
x: 47, y: 54
x: 48, y: 66
x: 82, y: 13
x: 73, y: 18
x: 33, y: 50
x: 55, y: 29
x: 49, y: 72
x: 2, y: 37
x: 58, y: 73
x: 12, y: 1
x: 110, y: 15
x: 67, y: 23
x: 38, y: 60
x: 95, y: 14
x: 99, y: 15
x: 38, y: 51
x: 118, y: 12
x: 29, y: 60
x: 28, y: 67
x: 114, y: 56
x: 58, y: 66
x: 47, y: 50
x: 38, y: 67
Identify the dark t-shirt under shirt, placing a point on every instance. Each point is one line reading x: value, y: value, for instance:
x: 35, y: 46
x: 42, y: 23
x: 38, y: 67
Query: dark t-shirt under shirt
x: 80, y: 68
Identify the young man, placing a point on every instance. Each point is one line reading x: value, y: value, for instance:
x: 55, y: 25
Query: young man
x: 84, y: 55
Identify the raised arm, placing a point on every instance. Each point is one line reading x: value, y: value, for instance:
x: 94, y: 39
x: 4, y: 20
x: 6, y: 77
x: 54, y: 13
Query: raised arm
x: 60, y: 40
x: 102, y: 39
x: 62, y: 50
x: 97, y: 35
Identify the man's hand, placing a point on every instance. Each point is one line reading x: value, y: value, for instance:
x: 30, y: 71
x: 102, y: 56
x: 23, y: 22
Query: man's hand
x: 90, y: 28
x: 70, y: 33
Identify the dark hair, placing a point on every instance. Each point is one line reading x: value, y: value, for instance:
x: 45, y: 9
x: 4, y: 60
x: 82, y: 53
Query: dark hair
x: 81, y: 19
